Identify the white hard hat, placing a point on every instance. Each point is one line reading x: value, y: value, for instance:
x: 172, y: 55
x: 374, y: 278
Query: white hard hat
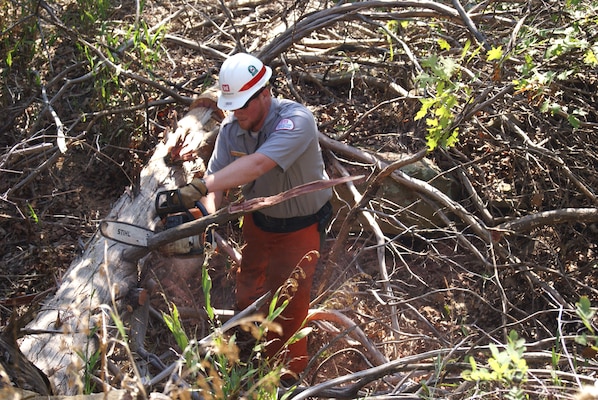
x: 241, y: 75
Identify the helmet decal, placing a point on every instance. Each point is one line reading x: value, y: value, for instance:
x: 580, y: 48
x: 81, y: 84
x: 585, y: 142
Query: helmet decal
x: 256, y: 78
x: 225, y: 87
x: 252, y: 70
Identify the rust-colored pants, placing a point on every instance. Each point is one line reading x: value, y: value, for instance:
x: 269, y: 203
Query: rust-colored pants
x: 268, y: 261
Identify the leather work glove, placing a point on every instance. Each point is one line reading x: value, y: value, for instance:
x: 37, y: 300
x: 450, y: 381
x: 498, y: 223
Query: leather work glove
x: 192, y: 192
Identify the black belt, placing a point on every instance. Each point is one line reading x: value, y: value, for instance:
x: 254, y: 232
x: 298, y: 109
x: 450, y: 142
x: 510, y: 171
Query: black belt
x: 285, y: 225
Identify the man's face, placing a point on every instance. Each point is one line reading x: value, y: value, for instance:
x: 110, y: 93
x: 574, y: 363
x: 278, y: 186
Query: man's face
x: 252, y: 115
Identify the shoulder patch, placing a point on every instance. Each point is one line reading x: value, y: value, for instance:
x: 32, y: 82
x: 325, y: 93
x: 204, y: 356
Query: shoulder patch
x: 285, y: 125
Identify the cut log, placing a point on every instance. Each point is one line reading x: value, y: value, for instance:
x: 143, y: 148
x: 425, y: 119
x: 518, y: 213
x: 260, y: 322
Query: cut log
x: 69, y: 319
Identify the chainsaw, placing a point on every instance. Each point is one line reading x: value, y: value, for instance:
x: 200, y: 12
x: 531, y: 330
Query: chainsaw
x: 169, y: 209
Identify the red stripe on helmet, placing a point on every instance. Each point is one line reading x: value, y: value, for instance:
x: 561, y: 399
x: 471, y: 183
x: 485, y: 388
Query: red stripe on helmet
x: 254, y: 80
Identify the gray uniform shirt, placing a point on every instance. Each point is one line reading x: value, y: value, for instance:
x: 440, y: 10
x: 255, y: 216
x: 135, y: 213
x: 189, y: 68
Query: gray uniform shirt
x: 289, y: 137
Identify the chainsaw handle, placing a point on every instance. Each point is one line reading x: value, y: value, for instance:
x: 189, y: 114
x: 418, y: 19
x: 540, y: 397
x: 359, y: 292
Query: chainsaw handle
x: 202, y: 208
x: 168, y: 202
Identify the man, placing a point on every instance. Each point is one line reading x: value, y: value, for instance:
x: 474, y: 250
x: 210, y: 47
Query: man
x: 268, y: 146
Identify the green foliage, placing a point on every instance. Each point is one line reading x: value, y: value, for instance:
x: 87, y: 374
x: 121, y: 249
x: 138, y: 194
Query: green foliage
x: 540, y: 58
x: 88, y: 12
x: 147, y: 45
x: 557, y: 55
x: 19, y: 42
x: 89, y: 356
x: 584, y: 311
x: 392, y: 26
x: 494, y: 54
x: 206, y: 283
x: 442, y: 78
x: 217, y: 368
x: 173, y: 322
x: 389, y: 31
x: 507, y: 367
x: 126, y: 47
x: 440, y: 107
x: 90, y: 360
x: 32, y: 213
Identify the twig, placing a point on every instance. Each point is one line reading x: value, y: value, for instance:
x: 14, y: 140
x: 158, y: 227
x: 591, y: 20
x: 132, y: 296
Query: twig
x: 368, y: 112
x: 552, y: 217
x: 326, y: 17
x: 370, y: 192
x: 584, y: 189
x: 375, y: 356
x: 238, y: 318
x: 394, y: 37
x: 414, y: 184
x: 46, y: 164
x: 380, y: 241
x: 24, y: 151
x: 60, y: 138
x: 227, y: 248
x: 470, y: 25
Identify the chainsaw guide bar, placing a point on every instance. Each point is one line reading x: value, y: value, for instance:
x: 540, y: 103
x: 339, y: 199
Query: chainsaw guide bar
x: 124, y: 232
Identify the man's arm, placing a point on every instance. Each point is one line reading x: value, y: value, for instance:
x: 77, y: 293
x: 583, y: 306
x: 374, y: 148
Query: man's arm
x: 209, y: 189
x: 212, y: 201
x: 241, y: 171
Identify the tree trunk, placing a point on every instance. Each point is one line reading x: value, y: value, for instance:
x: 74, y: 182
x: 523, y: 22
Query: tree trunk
x: 68, y: 321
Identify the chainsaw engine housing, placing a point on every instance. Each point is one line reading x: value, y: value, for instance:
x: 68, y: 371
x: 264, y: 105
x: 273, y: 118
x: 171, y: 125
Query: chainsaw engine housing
x: 169, y: 208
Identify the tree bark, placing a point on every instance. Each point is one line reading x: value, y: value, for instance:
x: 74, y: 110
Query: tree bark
x: 95, y: 280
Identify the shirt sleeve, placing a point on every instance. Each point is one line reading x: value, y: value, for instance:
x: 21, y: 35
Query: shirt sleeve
x: 290, y: 138
x: 221, y: 156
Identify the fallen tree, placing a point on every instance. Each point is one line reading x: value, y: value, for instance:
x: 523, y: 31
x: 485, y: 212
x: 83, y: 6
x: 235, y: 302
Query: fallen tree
x: 66, y: 324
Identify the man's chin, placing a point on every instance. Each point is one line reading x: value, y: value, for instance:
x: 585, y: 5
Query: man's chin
x: 245, y: 126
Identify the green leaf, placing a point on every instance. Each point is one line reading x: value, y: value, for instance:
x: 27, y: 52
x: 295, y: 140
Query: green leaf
x: 499, y: 368
x: 174, y: 325
x: 206, y: 283
x: 590, y: 58
x: 494, y: 350
x: 430, y: 62
x: 444, y: 45
x: 466, y: 48
x: 585, y: 312
x: 426, y: 103
x: 453, y: 138
x: 494, y: 53
x: 582, y: 339
x: 449, y: 66
x: 432, y: 122
x: 431, y: 142
x: 32, y: 214
x: 120, y: 326
x: 574, y: 121
x: 299, y: 335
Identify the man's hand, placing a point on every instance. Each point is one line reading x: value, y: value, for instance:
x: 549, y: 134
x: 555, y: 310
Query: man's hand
x: 192, y: 192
